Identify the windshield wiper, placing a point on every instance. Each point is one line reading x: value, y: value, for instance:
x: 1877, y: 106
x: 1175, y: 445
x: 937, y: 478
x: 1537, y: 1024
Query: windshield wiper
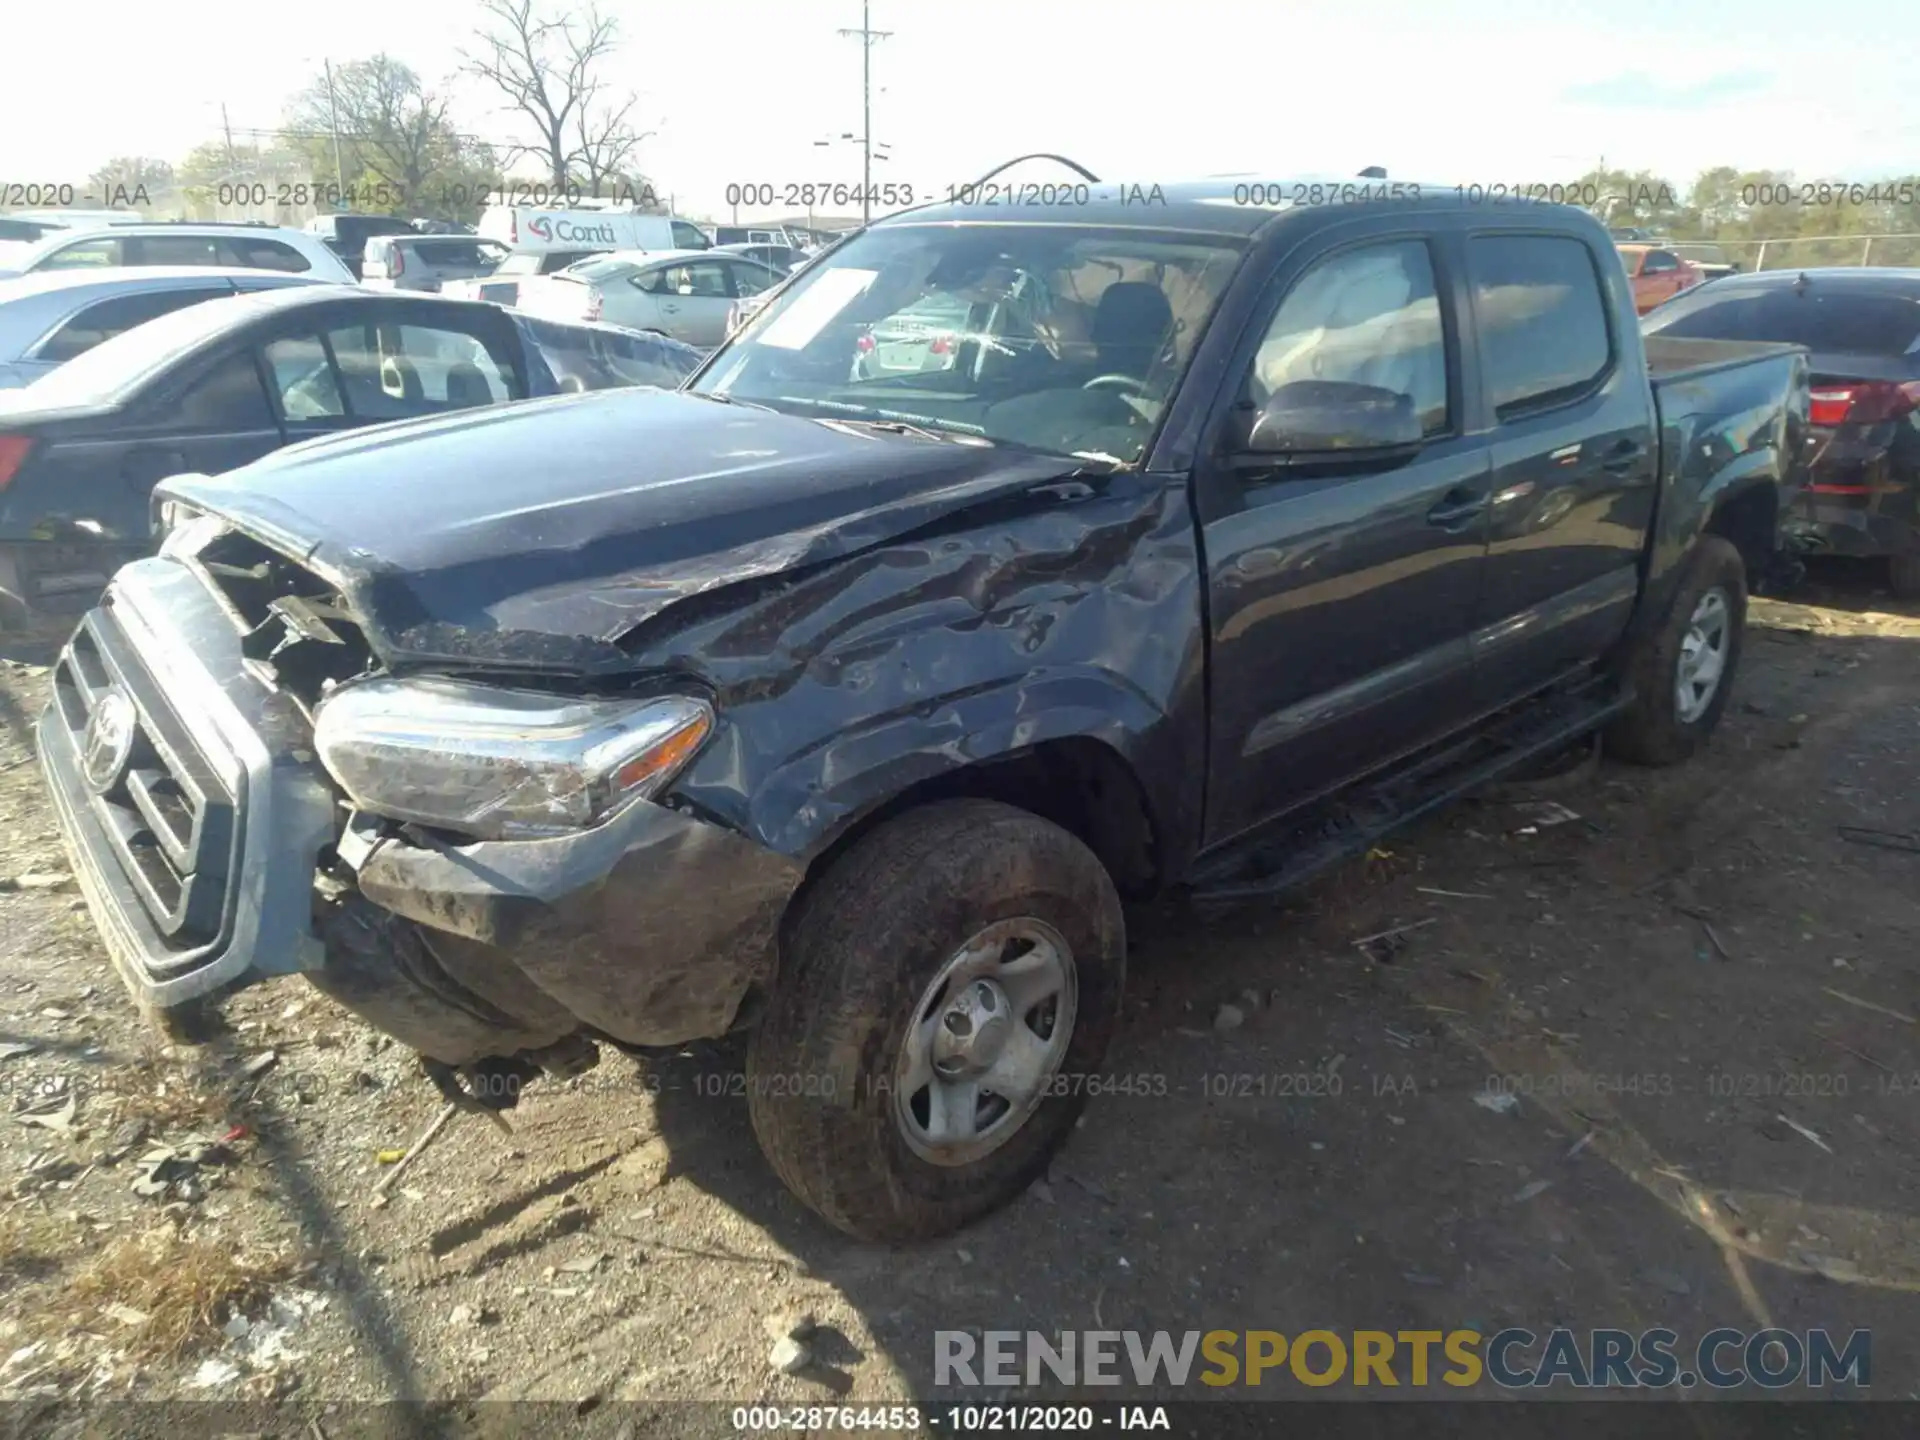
x: 893, y: 422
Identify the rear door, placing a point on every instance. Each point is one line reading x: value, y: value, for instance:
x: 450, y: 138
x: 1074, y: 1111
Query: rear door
x: 1575, y: 465
x: 1342, y: 595
x: 693, y: 299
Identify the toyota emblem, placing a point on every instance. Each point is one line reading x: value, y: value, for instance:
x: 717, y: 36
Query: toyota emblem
x: 107, y: 745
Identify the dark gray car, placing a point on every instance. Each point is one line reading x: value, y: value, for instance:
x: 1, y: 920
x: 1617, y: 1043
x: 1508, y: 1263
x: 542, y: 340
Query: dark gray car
x: 48, y: 318
x: 426, y: 262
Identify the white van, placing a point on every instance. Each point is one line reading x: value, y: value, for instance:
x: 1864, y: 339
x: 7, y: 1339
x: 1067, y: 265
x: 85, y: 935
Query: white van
x: 586, y: 231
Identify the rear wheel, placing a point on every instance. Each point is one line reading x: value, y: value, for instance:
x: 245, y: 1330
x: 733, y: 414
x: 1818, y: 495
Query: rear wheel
x: 949, y: 986
x: 1682, y: 671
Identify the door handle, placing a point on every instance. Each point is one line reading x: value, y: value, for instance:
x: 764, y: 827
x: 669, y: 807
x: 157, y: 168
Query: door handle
x: 1457, y: 508
x: 1626, y: 456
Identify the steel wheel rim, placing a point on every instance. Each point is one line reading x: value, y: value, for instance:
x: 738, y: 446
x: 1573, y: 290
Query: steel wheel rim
x: 1703, y: 656
x: 985, y: 1040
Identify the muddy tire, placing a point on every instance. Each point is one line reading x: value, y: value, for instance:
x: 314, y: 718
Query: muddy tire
x: 1682, y: 671
x: 957, y: 948
x: 1903, y: 574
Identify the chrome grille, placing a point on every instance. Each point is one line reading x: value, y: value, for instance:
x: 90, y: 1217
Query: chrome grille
x: 166, y: 812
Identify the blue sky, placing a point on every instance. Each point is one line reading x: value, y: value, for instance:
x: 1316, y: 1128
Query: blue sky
x: 1480, y: 91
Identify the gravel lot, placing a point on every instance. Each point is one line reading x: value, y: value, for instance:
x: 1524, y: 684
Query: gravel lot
x: 1699, y: 990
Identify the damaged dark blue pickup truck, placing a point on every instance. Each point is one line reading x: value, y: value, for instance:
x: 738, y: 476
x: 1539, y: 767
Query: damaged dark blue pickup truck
x: 1008, y: 563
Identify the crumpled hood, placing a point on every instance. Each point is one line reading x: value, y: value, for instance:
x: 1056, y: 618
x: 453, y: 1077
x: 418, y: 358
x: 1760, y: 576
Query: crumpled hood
x: 486, y: 535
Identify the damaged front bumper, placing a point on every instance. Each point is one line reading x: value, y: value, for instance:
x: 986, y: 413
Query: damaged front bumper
x: 214, y: 853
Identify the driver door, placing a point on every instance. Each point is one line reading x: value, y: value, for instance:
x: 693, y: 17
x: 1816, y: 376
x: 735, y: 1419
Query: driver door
x: 1342, y: 594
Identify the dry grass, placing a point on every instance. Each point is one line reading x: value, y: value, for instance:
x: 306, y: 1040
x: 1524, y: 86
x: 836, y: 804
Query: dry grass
x: 167, y: 1094
x: 187, y: 1289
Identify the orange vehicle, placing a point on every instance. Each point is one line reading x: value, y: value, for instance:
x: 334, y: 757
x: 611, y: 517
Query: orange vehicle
x: 1657, y: 274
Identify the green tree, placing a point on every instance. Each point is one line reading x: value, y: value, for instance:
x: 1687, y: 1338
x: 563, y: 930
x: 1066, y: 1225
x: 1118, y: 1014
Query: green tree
x: 386, y: 137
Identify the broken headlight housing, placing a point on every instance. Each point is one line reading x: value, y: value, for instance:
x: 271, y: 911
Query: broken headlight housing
x: 501, y: 764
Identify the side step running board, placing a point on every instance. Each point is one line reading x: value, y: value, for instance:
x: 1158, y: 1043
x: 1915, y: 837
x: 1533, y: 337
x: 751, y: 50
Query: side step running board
x: 1347, y: 824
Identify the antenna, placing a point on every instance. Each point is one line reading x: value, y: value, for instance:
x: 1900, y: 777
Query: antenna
x: 1075, y: 166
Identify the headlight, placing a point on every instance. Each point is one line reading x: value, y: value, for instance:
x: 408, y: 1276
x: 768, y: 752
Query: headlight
x: 498, y: 763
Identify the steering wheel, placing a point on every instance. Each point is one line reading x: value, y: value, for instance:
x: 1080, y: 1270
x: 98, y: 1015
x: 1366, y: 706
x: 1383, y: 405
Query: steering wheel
x: 1129, y: 382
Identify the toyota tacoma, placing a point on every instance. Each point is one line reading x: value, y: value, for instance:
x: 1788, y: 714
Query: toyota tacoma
x: 1204, y: 540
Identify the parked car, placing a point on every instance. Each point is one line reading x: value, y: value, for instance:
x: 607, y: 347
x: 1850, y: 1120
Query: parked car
x: 1863, y: 327
x: 427, y: 262
x: 685, y: 294
x: 346, y: 235
x: 222, y: 383
x: 848, y: 709
x: 49, y: 318
x: 1710, y: 260
x: 210, y: 243
x: 735, y: 235
x: 782, y: 259
x: 1657, y: 273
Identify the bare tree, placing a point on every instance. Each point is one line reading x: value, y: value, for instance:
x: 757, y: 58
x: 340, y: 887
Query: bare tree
x: 547, y: 67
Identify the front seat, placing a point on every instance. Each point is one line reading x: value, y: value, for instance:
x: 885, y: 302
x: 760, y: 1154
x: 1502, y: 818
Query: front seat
x: 1130, y: 327
x: 467, y: 386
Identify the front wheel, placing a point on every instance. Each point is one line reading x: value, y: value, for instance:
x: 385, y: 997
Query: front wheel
x: 1682, y: 671
x: 949, y: 988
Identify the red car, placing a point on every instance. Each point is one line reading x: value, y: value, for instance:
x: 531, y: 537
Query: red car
x: 1657, y: 274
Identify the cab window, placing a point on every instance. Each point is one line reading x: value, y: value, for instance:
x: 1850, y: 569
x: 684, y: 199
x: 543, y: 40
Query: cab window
x: 1368, y: 316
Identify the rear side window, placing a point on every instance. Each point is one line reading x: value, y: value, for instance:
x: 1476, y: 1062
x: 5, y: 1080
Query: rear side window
x: 687, y: 236
x: 258, y: 254
x: 304, y: 379
x: 105, y: 319
x: 448, y: 252
x: 227, y: 399
x: 1542, y: 319
x: 173, y: 250
x: 86, y: 255
x: 390, y: 372
x: 1835, y: 321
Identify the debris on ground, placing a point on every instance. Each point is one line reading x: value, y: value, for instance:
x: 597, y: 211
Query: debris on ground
x: 796, y: 1326
x: 1543, y: 814
x: 1383, y: 945
x: 37, y: 880
x: 1501, y: 1102
x: 789, y: 1356
x: 1530, y: 1190
x: 55, y: 1114
x: 172, y: 1171
x: 1229, y: 1017
x: 1881, y: 839
x: 14, y: 1049
x: 260, y: 1064
x: 1804, y: 1132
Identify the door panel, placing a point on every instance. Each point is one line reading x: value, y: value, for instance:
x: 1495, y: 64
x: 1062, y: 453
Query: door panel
x: 1342, y: 595
x: 1574, y: 462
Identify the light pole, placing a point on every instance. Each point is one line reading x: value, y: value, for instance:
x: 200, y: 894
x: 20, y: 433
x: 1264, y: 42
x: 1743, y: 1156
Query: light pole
x: 872, y: 150
x: 867, y: 35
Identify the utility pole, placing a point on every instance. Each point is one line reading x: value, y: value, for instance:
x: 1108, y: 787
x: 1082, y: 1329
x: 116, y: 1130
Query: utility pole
x: 333, y: 105
x: 227, y: 125
x: 867, y: 35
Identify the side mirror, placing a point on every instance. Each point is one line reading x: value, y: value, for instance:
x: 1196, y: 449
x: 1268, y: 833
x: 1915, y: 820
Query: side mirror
x: 1332, y: 420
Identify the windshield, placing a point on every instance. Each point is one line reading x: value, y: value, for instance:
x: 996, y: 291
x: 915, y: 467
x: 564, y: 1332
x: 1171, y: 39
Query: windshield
x: 603, y: 267
x: 117, y: 367
x: 1064, y: 339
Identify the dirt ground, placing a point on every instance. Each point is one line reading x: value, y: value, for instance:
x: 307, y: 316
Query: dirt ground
x: 1701, y: 992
